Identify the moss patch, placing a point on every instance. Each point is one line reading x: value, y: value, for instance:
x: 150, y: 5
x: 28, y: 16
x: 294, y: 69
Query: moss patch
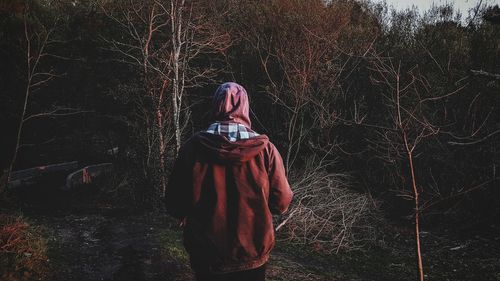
x: 171, y: 240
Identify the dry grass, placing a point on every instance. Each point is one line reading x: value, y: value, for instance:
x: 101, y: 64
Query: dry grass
x: 325, y: 213
x: 22, y: 250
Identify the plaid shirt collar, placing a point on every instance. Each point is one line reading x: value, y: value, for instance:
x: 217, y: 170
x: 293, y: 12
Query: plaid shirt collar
x: 232, y: 131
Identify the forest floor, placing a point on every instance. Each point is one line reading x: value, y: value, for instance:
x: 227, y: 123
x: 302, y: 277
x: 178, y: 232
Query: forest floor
x: 88, y: 241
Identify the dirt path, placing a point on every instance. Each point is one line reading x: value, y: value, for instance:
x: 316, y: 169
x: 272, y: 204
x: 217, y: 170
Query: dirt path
x: 113, y: 247
x: 118, y: 246
x: 91, y: 241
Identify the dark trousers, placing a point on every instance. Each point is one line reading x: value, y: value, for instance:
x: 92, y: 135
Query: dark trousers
x: 256, y: 274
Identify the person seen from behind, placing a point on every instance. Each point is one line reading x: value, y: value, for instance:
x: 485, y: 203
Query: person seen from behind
x: 226, y: 183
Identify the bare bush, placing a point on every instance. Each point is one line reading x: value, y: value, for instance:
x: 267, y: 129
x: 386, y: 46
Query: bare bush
x: 325, y: 212
x: 23, y: 250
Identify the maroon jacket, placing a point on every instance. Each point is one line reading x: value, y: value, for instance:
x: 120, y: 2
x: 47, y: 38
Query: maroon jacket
x: 227, y: 192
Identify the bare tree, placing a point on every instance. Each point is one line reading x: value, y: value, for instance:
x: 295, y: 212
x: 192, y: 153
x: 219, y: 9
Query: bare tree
x: 165, y: 38
x: 38, y: 38
x: 294, y: 59
x: 407, y: 96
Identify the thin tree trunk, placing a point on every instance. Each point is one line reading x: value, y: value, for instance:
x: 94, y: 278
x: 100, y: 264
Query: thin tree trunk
x: 19, y: 132
x: 291, y: 137
x: 417, y: 208
x: 161, y: 147
x: 409, y: 151
x: 176, y: 19
x: 161, y: 143
x: 26, y: 98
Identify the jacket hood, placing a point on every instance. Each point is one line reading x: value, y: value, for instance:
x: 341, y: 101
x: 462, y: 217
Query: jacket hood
x: 218, y: 148
x: 230, y: 103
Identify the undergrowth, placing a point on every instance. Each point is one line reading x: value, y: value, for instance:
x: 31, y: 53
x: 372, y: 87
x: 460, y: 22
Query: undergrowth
x: 23, y: 250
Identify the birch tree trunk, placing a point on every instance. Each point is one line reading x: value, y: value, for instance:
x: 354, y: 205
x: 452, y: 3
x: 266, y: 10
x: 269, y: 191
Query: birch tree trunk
x: 176, y: 18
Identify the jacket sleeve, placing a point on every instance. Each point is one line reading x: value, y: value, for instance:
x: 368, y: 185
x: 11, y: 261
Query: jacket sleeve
x: 178, y: 194
x: 280, y: 194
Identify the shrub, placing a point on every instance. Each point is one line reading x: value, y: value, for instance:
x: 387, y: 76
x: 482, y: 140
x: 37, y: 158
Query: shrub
x: 22, y: 250
x: 325, y: 213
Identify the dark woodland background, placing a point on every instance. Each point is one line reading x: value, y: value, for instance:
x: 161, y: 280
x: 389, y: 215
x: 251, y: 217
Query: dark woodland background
x: 380, y: 115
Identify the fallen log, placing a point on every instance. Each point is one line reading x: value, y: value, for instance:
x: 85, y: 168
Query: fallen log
x: 87, y: 175
x: 31, y: 176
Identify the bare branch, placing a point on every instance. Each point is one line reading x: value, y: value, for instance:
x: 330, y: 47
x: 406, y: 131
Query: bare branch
x: 484, y: 73
x: 476, y: 141
x: 55, y: 113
